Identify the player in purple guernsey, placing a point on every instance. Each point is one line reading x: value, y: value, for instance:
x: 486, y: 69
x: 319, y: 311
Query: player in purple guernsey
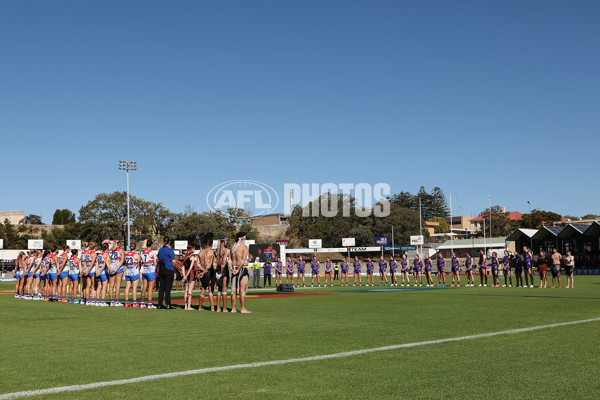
x: 428, y: 268
x: 483, y: 272
x: 370, y: 272
x: 393, y: 268
x: 441, y: 266
x: 328, y: 271
x: 506, y: 263
x: 289, y: 271
x: 418, y: 270
x: 344, y: 265
x: 278, y: 272
x: 528, y: 266
x: 404, y: 270
x: 357, y: 271
x: 455, y: 270
x: 518, y: 270
x: 469, y: 270
x: 382, y: 273
x: 315, y: 272
x: 495, y: 268
x: 301, y: 267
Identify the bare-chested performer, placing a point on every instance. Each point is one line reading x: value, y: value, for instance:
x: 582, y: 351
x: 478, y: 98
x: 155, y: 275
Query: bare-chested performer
x: 188, y: 273
x: 239, y: 272
x: 207, y: 263
x: 223, y: 267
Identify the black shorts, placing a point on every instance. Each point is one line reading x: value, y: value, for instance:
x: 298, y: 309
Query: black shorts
x: 555, y: 269
x: 205, y: 280
x: 237, y: 278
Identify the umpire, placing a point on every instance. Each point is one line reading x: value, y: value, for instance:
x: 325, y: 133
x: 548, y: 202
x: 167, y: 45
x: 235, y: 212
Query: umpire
x: 166, y: 274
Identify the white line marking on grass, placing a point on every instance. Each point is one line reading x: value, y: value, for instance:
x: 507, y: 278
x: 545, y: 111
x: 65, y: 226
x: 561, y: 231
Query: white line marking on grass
x: 95, y: 385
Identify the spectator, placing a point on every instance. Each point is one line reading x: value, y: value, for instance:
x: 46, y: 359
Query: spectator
x: 166, y: 274
x: 569, y: 261
x: 256, y: 273
x: 267, y: 273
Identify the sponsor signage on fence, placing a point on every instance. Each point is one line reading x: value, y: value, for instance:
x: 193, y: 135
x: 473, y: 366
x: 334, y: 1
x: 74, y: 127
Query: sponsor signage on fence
x: 300, y: 251
x: 282, y: 242
x: 74, y: 244
x: 416, y: 240
x: 360, y: 249
x: 180, y: 244
x: 315, y: 243
x: 348, y: 242
x: 35, y: 244
x: 332, y: 250
x: 382, y: 240
x: 399, y: 248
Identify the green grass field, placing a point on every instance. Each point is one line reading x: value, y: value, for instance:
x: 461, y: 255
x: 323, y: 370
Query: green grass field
x: 50, y: 344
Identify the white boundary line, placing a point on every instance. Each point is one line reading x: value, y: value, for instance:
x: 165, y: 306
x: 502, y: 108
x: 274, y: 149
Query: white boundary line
x: 95, y: 385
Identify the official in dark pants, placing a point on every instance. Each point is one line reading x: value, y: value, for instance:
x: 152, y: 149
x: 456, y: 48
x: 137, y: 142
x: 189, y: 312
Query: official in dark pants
x: 166, y: 274
x: 267, y: 273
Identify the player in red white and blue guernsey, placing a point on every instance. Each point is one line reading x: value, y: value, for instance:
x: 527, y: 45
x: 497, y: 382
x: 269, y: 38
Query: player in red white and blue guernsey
x: 528, y: 265
x: 102, y: 262
x: 404, y: 270
x: 148, y: 275
x: 89, y: 275
x: 455, y: 268
x: 52, y: 262
x: 393, y: 268
x: 63, y: 273
x: 469, y: 270
x: 315, y: 272
x: 418, y: 270
x: 36, y: 267
x: 278, y: 272
x: 132, y: 274
x: 344, y: 273
x: 115, y: 273
x: 328, y: 271
x: 382, y: 273
x: 370, y: 277
x: 428, y: 269
x: 74, y: 272
x: 357, y: 271
x: 289, y: 276
x: 301, y: 266
x: 482, y: 268
x: 441, y: 267
x: 20, y: 273
x: 506, y: 263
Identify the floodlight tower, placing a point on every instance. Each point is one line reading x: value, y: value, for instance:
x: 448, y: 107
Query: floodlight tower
x: 128, y: 166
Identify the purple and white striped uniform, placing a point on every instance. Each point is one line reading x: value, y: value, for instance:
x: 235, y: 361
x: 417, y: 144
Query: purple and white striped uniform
x: 455, y: 265
x: 418, y: 266
x: 393, y: 266
x: 495, y: 263
x: 328, y: 267
x: 441, y: 263
x: 428, y: 264
x: 469, y: 264
x: 356, y: 267
x: 290, y: 268
x: 382, y: 265
x: 315, y: 267
x: 344, y: 267
x: 279, y: 268
x: 506, y: 263
x: 482, y: 262
x: 301, y: 266
x: 369, y: 267
x: 404, y: 264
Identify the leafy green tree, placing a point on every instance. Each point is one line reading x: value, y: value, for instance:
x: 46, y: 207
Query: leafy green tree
x: 537, y: 219
x: 405, y: 222
x: 433, y: 205
x: 501, y: 223
x: 590, y: 216
x: 59, y: 236
x: 32, y: 219
x: 63, y: 217
x: 363, y: 234
x: 14, y: 237
x: 106, y: 217
x: 443, y: 227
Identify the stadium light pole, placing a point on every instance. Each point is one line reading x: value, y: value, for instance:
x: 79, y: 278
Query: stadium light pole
x: 490, y: 208
x: 128, y: 166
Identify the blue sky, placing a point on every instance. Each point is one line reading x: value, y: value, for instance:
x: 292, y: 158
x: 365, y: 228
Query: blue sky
x: 477, y: 98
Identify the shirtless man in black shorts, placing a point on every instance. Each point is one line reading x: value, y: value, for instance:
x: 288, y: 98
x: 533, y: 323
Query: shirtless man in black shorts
x: 239, y: 272
x: 223, y: 267
x: 207, y: 274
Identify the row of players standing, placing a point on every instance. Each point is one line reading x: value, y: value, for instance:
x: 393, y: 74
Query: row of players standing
x: 521, y: 264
